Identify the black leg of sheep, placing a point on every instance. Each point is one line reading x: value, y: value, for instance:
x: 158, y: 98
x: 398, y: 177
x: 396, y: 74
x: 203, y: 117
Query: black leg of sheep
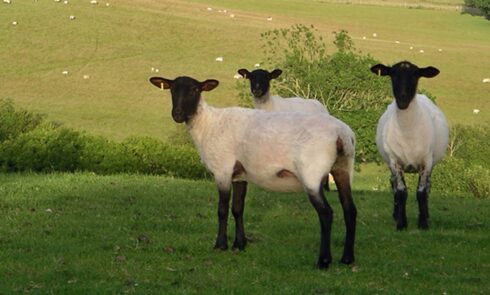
x: 239, y: 192
x: 223, y: 207
x: 325, y: 215
x: 342, y: 180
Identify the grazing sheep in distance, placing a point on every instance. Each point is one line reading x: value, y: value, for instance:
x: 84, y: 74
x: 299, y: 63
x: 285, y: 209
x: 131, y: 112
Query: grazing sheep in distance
x: 277, y: 151
x: 412, y: 136
x: 260, y: 88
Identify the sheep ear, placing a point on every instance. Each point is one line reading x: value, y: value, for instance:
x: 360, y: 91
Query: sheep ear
x: 428, y: 72
x: 161, y: 83
x: 244, y: 72
x: 274, y: 74
x: 381, y: 70
x: 209, y: 85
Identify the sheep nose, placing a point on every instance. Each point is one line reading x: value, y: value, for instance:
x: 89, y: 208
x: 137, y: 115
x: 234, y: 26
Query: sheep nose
x: 257, y: 92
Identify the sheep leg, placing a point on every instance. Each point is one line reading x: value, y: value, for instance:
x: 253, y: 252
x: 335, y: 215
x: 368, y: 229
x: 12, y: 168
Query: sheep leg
x: 223, y: 207
x: 400, y: 199
x: 342, y: 180
x: 239, y: 192
x: 422, y: 199
x: 325, y: 214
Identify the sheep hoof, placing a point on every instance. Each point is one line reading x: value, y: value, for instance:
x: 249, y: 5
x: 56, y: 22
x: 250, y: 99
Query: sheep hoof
x: 221, y: 247
x: 239, y: 244
x: 347, y: 259
x: 221, y: 244
x: 423, y: 224
x: 401, y: 225
x: 323, y: 263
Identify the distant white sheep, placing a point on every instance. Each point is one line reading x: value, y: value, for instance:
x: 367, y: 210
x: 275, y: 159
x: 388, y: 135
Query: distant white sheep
x: 412, y: 136
x: 277, y: 151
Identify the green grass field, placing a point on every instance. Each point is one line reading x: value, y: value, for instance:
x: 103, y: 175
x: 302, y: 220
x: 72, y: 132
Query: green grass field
x: 118, y: 45
x: 88, y: 234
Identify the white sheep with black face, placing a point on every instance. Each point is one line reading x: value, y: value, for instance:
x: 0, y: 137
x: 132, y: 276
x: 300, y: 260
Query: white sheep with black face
x: 412, y: 136
x: 260, y: 88
x: 277, y: 151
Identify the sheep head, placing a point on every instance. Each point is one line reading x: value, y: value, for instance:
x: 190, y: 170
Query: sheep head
x: 186, y: 94
x: 259, y: 80
x: 404, y: 80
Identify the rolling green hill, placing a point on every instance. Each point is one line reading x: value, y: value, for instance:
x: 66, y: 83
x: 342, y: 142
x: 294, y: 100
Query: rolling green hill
x: 109, y: 53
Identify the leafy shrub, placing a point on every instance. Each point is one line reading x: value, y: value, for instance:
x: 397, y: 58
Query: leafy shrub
x: 482, y: 5
x: 29, y: 144
x: 102, y: 156
x: 342, y: 81
x: 44, y: 149
x: 466, y: 166
x: 471, y: 144
x: 14, y: 122
x: 155, y: 157
x: 455, y: 176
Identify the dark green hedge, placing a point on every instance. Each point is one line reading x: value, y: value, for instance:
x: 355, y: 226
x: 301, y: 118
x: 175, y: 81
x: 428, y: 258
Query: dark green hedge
x: 30, y: 144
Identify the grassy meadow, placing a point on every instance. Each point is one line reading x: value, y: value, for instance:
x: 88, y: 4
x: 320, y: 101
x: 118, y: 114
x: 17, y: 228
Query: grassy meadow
x: 115, y: 47
x: 84, y: 233
x: 88, y: 234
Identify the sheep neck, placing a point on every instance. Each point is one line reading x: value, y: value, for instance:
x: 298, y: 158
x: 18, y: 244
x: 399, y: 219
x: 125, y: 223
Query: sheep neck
x: 264, y: 102
x: 197, y: 124
x: 408, y: 117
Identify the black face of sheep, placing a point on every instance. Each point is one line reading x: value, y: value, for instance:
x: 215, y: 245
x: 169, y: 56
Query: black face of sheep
x: 259, y: 80
x: 186, y: 93
x: 404, y: 79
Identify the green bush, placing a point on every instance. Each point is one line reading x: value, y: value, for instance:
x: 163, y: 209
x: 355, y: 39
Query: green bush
x: 102, y: 156
x: 471, y: 144
x: 456, y: 176
x: 44, y: 149
x: 28, y: 144
x: 14, y: 122
x: 482, y: 5
x: 342, y: 81
x: 466, y: 166
x: 155, y: 157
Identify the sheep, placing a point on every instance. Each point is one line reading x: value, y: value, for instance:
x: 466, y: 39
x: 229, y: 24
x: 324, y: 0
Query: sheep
x: 276, y: 151
x: 260, y: 89
x: 412, y: 136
